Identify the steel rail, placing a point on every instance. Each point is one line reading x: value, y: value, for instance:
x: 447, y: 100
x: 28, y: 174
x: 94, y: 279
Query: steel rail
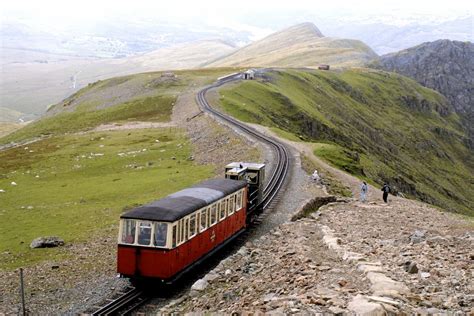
x: 121, y: 302
x: 280, y: 172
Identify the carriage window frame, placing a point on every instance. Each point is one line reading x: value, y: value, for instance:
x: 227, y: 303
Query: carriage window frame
x: 227, y: 203
x: 133, y: 228
x: 203, y: 225
x: 180, y: 232
x: 174, y: 239
x: 239, y: 200
x: 192, y: 225
x: 186, y: 229
x: 222, y: 212
x: 139, y: 232
x: 154, y: 231
x: 232, y: 203
x: 213, y: 213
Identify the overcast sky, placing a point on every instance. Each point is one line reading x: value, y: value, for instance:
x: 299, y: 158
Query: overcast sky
x: 67, y: 11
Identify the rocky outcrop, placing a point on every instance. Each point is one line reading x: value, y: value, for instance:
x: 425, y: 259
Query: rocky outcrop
x: 47, y: 242
x: 445, y: 66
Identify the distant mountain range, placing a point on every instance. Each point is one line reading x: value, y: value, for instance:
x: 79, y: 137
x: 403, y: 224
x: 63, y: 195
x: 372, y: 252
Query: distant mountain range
x: 40, y: 67
x: 385, y: 38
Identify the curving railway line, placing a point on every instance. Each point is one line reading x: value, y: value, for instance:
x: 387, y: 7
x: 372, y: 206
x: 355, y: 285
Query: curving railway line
x: 278, y: 177
x: 133, y: 298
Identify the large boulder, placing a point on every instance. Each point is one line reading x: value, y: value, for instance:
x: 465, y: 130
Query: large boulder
x: 47, y: 242
x: 200, y: 285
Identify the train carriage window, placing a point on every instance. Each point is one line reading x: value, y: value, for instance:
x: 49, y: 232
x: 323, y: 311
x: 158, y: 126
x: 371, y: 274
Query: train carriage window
x: 192, y: 225
x: 198, y: 222
x: 186, y: 229
x: 128, y: 231
x: 144, y: 233
x: 203, y: 220
x: 173, y: 238
x: 213, y: 214
x: 180, y: 232
x: 229, y: 210
x: 161, y: 232
x: 222, y: 211
x: 239, y: 200
x: 232, y: 203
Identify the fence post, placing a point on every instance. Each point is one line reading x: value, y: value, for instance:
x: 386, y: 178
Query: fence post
x: 22, y: 292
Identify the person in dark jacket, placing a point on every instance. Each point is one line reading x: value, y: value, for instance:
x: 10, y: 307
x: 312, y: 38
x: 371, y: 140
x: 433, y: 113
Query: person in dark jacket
x: 386, y: 191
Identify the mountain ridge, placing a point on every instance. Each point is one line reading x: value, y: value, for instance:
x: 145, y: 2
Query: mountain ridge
x: 301, y: 45
x: 443, y: 65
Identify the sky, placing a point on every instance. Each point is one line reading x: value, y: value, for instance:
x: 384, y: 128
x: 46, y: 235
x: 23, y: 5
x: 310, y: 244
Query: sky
x: 212, y: 11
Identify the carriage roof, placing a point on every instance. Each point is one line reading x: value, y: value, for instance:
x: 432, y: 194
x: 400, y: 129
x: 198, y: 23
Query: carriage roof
x: 184, y: 202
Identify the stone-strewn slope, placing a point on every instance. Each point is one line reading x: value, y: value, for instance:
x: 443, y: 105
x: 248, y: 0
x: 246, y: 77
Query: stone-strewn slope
x: 405, y: 257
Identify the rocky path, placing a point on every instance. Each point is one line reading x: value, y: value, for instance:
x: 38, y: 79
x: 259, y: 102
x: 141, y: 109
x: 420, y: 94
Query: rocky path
x: 348, y: 257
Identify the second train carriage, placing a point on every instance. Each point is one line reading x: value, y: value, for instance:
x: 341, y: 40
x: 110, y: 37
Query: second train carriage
x: 165, y: 238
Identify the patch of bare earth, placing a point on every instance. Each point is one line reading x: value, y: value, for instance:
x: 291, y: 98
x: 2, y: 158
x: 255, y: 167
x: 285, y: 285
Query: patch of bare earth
x: 132, y: 125
x: 214, y: 143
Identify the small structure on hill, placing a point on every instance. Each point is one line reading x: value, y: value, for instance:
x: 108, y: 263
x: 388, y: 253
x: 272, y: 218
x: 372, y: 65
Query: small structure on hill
x: 323, y: 67
x: 168, y: 74
x: 249, y: 74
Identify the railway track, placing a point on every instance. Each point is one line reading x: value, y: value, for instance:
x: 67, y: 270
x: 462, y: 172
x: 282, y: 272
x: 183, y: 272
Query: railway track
x: 124, y: 304
x: 280, y: 172
x: 132, y: 299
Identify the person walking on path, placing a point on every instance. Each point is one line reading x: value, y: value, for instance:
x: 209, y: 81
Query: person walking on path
x: 386, y: 191
x: 315, y: 176
x: 363, y: 192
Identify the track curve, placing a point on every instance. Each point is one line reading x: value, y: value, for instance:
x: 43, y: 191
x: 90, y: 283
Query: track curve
x: 280, y: 172
x: 130, y: 300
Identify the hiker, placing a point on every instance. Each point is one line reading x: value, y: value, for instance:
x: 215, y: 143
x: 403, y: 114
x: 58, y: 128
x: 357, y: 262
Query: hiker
x: 363, y: 192
x: 315, y: 176
x: 386, y: 190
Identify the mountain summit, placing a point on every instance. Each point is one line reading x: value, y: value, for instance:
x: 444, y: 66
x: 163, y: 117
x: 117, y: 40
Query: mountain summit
x: 296, y: 32
x: 301, y: 45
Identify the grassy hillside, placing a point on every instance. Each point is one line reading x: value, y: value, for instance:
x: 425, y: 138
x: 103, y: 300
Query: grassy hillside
x: 376, y: 125
x: 144, y: 97
x: 76, y: 185
x: 302, y: 45
x: 76, y: 182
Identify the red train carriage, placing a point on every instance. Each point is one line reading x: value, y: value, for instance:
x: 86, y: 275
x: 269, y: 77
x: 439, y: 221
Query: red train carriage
x: 162, y: 239
x: 165, y: 238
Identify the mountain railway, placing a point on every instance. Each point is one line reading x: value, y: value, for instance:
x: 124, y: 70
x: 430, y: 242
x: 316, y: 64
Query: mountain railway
x: 254, y: 212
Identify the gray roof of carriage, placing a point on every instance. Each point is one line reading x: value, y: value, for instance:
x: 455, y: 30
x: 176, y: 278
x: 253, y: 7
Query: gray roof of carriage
x: 184, y: 202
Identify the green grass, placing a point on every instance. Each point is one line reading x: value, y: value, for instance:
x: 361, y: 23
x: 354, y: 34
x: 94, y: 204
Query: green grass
x: 84, y: 183
x: 339, y: 157
x: 143, y: 97
x: 75, y: 183
x: 376, y: 125
x: 156, y: 108
x: 333, y: 185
